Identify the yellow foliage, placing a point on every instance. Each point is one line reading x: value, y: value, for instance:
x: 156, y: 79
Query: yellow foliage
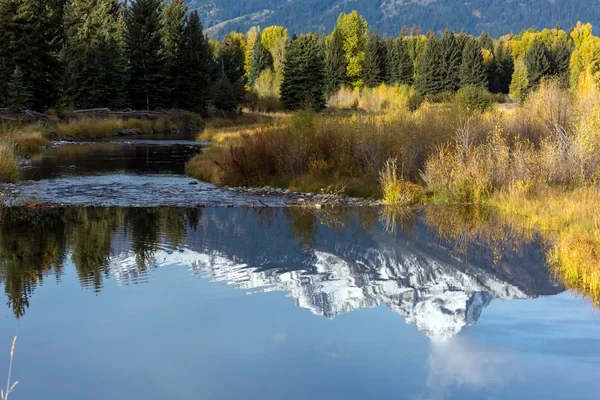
x: 581, y: 33
x: 383, y: 98
x: 353, y: 29
x: 488, y: 57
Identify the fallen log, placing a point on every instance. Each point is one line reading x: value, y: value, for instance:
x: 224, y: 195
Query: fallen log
x: 92, y: 110
x: 35, y: 114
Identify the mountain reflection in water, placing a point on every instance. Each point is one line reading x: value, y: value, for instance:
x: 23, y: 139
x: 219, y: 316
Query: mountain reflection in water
x: 329, y: 262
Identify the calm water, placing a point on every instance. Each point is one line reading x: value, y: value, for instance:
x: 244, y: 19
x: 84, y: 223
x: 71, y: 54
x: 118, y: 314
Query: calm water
x: 166, y: 303
x: 129, y: 172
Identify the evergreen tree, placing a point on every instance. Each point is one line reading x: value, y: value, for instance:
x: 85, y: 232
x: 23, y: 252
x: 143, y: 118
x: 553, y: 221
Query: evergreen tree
x: 450, y: 61
x: 196, y: 68
x: 261, y: 60
x: 486, y: 42
x: 304, y: 75
x: 561, y: 57
x: 31, y: 36
x: 472, y: 69
x: 399, y: 64
x: 374, y: 67
x: 147, y: 68
x: 93, y: 57
x: 335, y: 64
x: 229, y: 90
x: 224, y: 95
x: 461, y: 40
x: 20, y: 95
x: 230, y: 58
x: 173, y: 21
x: 430, y: 77
x: 538, y: 63
x: 505, y: 67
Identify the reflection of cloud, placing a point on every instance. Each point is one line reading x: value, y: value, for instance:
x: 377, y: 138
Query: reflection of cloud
x: 279, y: 338
x: 461, y: 362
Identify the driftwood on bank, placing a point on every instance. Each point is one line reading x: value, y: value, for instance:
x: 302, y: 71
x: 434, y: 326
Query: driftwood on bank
x: 92, y: 111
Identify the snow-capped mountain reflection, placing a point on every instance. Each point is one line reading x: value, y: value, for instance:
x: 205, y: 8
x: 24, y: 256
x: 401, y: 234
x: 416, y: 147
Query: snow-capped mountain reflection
x: 439, y: 299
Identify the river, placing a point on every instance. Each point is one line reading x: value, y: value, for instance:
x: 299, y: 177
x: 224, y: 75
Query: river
x: 187, y: 302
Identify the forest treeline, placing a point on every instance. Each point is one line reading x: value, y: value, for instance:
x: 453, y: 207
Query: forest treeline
x: 148, y: 54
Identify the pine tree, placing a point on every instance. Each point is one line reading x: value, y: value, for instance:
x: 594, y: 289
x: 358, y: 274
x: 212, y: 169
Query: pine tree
x: 196, y: 70
x: 173, y: 20
x: 472, y: 69
x: 229, y: 59
x: 261, y: 60
x: 93, y: 57
x: 147, y: 68
x: 31, y: 36
x: 374, y: 67
x: 399, y: 64
x: 561, y: 57
x: 430, y: 76
x: 20, y: 95
x: 252, y: 37
x: 505, y: 67
x: 335, y: 64
x: 450, y: 61
x: 224, y: 95
x: 538, y: 63
x: 8, y: 45
x: 486, y: 42
x: 304, y: 75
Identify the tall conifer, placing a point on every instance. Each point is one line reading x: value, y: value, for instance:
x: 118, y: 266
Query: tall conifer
x: 93, y: 57
x: 374, y: 67
x: 430, y: 76
x: 399, y: 64
x: 147, y: 68
x: 472, y: 69
x: 450, y: 61
x: 197, y: 67
x: 538, y: 63
x: 173, y: 21
x: 262, y: 59
x: 304, y: 75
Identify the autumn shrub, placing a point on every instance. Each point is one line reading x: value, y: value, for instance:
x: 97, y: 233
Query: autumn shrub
x: 397, y: 191
x: 473, y: 98
x: 384, y: 98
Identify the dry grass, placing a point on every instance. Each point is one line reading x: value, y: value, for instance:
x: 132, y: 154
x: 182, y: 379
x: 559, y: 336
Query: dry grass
x: 10, y: 386
x: 92, y: 128
x: 327, y: 149
x: 8, y: 161
x: 397, y: 191
x: 546, y: 143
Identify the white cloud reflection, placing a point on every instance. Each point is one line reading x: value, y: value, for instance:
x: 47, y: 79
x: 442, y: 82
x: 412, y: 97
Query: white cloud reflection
x: 463, y: 363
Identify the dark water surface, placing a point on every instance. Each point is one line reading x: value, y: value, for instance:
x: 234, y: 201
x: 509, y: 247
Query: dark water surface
x: 137, y: 172
x: 169, y: 303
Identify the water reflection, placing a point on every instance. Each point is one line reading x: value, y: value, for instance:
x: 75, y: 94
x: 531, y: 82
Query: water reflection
x: 134, y: 156
x: 329, y: 262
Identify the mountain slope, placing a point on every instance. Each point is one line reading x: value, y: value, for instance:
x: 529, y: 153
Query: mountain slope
x: 494, y: 16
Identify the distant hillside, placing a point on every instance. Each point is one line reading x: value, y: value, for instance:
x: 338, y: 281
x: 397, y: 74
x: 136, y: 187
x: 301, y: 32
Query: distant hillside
x: 494, y: 16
